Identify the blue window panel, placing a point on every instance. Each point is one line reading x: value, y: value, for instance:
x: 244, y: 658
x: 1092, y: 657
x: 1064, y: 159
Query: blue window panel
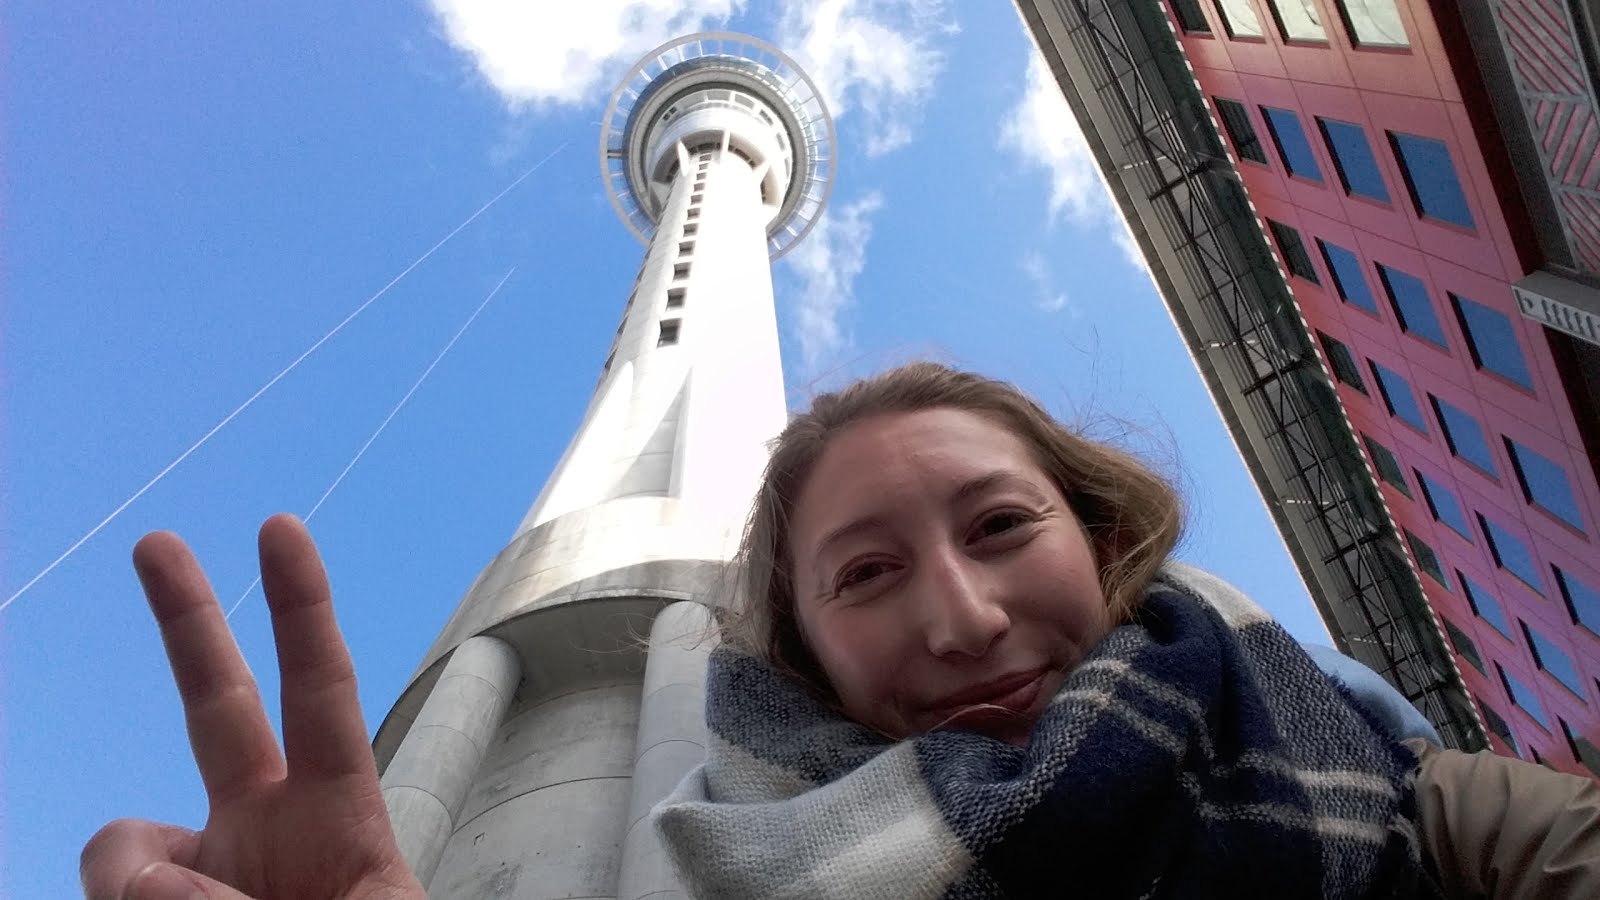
x: 1290, y: 139
x: 1348, y: 278
x: 1464, y: 435
x: 1498, y: 726
x: 1523, y: 696
x: 1511, y: 553
x: 1492, y: 340
x: 1398, y: 398
x: 1352, y: 157
x: 1412, y: 305
x: 1431, y: 178
x: 1545, y: 484
x: 1444, y: 506
x: 1427, y: 560
x: 1583, y: 601
x: 1554, y: 660
x: 1485, y: 605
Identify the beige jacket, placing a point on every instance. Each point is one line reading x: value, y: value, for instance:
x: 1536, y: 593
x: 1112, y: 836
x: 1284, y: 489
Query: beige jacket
x: 1503, y: 828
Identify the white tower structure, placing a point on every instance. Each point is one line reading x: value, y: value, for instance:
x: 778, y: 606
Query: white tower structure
x: 564, y: 696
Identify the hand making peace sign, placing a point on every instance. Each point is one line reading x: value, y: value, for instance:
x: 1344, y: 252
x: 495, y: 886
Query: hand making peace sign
x: 307, y: 821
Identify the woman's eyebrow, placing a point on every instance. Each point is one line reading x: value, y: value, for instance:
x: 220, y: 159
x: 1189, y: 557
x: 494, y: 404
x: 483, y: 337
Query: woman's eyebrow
x: 999, y: 478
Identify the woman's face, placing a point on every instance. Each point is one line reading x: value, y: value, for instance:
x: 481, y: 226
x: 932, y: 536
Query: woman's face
x: 940, y: 578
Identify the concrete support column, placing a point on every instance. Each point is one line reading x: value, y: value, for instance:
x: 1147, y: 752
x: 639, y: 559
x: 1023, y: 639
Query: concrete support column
x: 671, y: 741
x: 428, y: 778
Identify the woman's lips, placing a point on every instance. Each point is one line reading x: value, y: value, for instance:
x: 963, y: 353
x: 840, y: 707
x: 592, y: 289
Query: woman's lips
x: 1010, y: 699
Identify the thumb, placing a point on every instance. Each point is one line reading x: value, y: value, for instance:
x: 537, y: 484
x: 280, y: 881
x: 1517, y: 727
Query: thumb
x: 167, y: 881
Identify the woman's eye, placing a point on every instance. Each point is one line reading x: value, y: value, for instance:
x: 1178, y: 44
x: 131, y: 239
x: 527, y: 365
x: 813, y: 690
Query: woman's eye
x: 861, y: 574
x: 998, y: 523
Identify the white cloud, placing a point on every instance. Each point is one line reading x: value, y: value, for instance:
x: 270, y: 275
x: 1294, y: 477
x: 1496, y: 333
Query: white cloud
x: 1048, y: 298
x: 1043, y: 132
x: 875, y: 56
x: 827, y: 263
x: 543, y: 53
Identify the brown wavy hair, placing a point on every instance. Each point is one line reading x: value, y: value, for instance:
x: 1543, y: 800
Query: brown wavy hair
x: 1133, y: 517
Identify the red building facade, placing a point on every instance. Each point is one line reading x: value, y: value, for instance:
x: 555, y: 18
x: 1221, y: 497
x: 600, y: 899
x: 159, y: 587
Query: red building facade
x: 1365, y: 140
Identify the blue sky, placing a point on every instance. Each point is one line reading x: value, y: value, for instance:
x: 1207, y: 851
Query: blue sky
x: 198, y: 192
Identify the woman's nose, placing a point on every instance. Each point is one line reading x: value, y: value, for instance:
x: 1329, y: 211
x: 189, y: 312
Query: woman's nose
x: 962, y: 610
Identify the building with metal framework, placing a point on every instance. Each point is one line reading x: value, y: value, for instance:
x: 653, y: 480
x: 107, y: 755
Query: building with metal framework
x: 1377, y: 225
x: 564, y: 696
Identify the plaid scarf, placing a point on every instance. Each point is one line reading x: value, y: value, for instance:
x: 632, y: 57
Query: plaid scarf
x: 1197, y: 752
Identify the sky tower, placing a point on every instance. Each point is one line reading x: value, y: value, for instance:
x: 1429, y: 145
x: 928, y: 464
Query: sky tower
x: 563, y: 697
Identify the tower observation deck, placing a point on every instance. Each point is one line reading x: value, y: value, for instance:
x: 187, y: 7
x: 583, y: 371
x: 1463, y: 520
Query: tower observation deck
x: 541, y: 727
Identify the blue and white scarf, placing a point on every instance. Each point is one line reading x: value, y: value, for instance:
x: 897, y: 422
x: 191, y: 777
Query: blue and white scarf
x: 1197, y: 752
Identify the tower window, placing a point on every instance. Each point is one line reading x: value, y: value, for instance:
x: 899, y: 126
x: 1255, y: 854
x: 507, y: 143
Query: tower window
x: 1553, y: 659
x: 1298, y: 20
x: 1484, y: 604
x: 1293, y: 147
x: 669, y: 332
x: 1545, y: 484
x: 1353, y: 159
x: 1241, y: 18
x: 694, y: 213
x: 1412, y: 305
x: 1373, y: 23
x: 691, y: 230
x: 1464, y: 645
x: 1492, y: 340
x: 1383, y: 459
x: 697, y: 196
x: 1236, y: 122
x: 1464, y: 435
x: 1444, y: 506
x: 680, y: 271
x: 1295, y: 257
x: 1427, y: 560
x: 1397, y: 396
x: 1342, y: 363
x: 1523, y: 696
x: 685, y: 248
x: 1431, y: 178
x: 1582, y: 748
x: 1498, y: 727
x: 1583, y: 601
x: 1510, y: 553
x: 675, y: 297
x: 1348, y: 278
x: 1190, y: 18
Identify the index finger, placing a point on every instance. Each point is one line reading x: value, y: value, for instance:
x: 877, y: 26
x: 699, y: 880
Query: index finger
x: 323, y: 731
x: 232, y: 740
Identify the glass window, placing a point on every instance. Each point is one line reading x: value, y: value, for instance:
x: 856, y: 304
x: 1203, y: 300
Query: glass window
x: 1397, y: 396
x: 1348, y: 277
x: 1299, y: 20
x: 1240, y: 17
x: 1523, y: 696
x: 1295, y: 256
x: 1236, y: 121
x: 1511, y: 553
x: 1464, y: 435
x: 1412, y: 305
x: 1431, y: 178
x: 675, y: 297
x: 1442, y: 502
x: 1497, y: 726
x: 1545, y: 484
x: 1374, y: 23
x: 1582, y: 748
x: 1484, y: 604
x: 1553, y: 659
x: 1292, y: 145
x: 1343, y: 364
x: 1492, y: 340
x: 1353, y: 159
x: 1583, y: 601
x: 1464, y: 645
x: 1190, y: 16
x: 1387, y: 465
x: 669, y: 332
x: 1427, y: 560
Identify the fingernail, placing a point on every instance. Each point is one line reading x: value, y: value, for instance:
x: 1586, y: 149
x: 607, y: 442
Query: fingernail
x: 163, y: 881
